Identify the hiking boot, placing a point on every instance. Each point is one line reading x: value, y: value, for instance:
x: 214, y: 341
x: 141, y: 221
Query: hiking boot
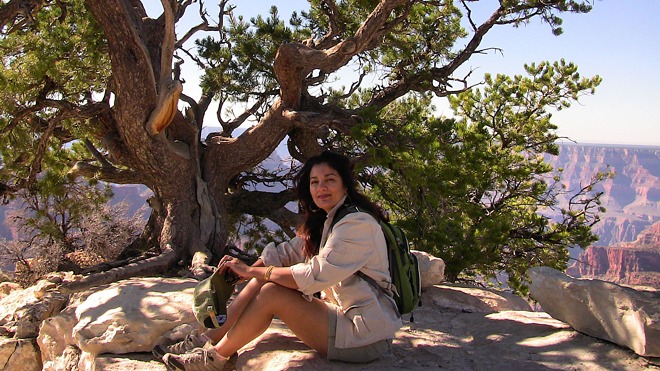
x: 200, y: 359
x: 190, y: 342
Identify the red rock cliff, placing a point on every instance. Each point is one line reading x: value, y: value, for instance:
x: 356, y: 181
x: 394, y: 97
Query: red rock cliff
x: 636, y: 263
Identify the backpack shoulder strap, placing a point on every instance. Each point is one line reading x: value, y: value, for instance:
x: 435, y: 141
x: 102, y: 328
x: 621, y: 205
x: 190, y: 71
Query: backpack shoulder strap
x: 380, y: 288
x: 389, y: 291
x: 343, y: 210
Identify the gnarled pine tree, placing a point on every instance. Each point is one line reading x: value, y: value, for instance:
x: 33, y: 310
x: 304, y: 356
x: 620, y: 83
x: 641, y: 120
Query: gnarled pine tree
x: 106, y: 74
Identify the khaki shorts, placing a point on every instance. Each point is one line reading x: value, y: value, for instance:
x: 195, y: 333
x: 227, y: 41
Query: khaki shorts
x: 361, y: 354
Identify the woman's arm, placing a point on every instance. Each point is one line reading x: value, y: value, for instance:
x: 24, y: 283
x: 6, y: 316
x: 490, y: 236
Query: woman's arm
x: 258, y: 263
x: 279, y: 275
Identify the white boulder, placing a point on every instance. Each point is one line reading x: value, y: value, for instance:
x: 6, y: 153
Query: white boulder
x: 600, y: 309
x: 123, y: 317
x: 431, y: 269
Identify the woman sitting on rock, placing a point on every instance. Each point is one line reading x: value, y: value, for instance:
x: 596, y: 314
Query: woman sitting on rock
x: 353, y: 323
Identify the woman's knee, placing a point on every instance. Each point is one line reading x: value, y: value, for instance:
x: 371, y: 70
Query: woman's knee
x: 273, y: 292
x: 271, y: 288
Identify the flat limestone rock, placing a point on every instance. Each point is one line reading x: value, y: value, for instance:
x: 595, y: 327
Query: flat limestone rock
x: 128, y: 362
x: 472, y: 299
x: 128, y: 316
x: 601, y: 309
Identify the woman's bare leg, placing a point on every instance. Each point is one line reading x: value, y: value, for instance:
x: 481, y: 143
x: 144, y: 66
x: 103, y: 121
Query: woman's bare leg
x: 307, y: 320
x: 235, y: 309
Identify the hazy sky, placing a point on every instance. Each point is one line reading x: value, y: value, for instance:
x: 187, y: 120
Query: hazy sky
x: 617, y: 40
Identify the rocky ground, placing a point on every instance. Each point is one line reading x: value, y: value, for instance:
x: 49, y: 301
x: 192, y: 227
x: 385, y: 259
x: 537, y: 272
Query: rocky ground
x: 441, y: 339
x: 459, y: 327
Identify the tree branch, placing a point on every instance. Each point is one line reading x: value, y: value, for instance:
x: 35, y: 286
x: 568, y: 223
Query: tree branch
x: 107, y: 174
x: 267, y: 205
x: 329, y: 8
x: 317, y: 120
x: 229, y: 126
x: 294, y: 62
x: 18, y: 14
x: 203, y: 26
x: 97, y: 155
x: 259, y: 203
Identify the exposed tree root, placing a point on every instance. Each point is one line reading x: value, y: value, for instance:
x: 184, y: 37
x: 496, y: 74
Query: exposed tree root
x: 147, y: 267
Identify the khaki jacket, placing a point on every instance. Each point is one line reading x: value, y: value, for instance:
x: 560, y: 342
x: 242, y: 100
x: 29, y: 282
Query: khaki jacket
x: 364, y: 314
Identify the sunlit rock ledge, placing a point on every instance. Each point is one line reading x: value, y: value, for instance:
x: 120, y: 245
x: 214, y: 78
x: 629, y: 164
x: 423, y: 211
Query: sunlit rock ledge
x: 458, y: 327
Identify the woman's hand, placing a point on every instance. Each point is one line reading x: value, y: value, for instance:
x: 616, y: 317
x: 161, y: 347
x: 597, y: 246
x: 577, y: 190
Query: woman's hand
x: 234, y: 265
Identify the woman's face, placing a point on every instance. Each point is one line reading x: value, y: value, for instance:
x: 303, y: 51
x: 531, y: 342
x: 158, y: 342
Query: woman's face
x: 326, y: 186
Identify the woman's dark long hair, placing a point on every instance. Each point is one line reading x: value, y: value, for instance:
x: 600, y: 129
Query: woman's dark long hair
x: 311, y: 230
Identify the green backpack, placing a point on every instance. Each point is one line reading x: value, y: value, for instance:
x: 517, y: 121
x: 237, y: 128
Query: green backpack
x: 212, y: 294
x: 210, y: 298
x: 404, y: 268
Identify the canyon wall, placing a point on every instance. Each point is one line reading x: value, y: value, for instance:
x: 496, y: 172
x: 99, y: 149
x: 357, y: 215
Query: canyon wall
x: 632, y: 198
x: 628, y: 249
x: 630, y: 263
